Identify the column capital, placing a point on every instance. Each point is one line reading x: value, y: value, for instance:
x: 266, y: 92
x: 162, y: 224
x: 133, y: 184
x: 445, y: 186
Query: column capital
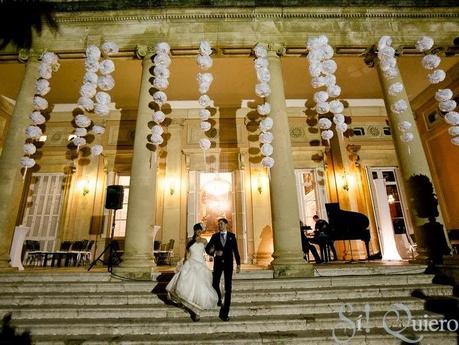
x: 276, y: 49
x: 25, y: 55
x: 144, y: 51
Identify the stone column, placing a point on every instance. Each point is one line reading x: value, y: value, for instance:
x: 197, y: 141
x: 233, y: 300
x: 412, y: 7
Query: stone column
x: 288, y: 256
x: 11, y: 183
x: 412, y: 161
x: 172, y: 188
x: 138, y: 247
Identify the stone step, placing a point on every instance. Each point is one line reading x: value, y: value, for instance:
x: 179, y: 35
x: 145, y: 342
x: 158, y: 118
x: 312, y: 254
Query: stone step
x: 237, y: 309
x: 246, y: 296
x: 207, y: 325
x: 376, y: 336
x: 367, y: 269
x: 47, y: 277
x: 238, y: 285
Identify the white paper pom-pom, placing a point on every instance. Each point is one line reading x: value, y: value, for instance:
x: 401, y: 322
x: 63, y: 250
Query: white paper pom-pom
x: 262, y: 90
x: 315, y: 69
x: 33, y: 132
x: 78, y: 141
x: 431, y: 61
x: 395, y: 88
x: 264, y: 109
x: 391, y: 73
x: 437, y: 76
x: 45, y: 71
x: 162, y: 60
x: 160, y: 83
x: 266, y: 124
x: 266, y: 138
x: 162, y: 48
x: 98, y: 129
x: 327, y: 134
x: 27, y: 162
x: 204, y: 61
x: 82, y: 121
x: 206, y: 78
x: 205, y: 48
x: 341, y: 127
x: 263, y: 75
x: 105, y: 82
x: 320, y: 96
x: 204, y: 114
x: 204, y: 144
x: 388, y: 63
x: 453, y: 131
x: 336, y: 107
x: 404, y: 125
x: 96, y: 150
x: 157, y: 130
x: 42, y: 87
x: 90, y: 78
x: 86, y: 103
x: 322, y: 108
x: 204, y: 101
x: 384, y: 41
x: 106, y: 66
x: 424, y: 43
x: 261, y: 63
x: 266, y: 149
x: 29, y: 149
x: 203, y: 88
x: 157, y: 139
x: 205, y: 126
x: 452, y: 118
x: 103, y: 98
x: 329, y: 66
x: 260, y: 51
x: 81, y: 132
x: 158, y: 116
x: 93, y: 52
x: 339, y: 118
x: 88, y: 90
x: 160, y: 97
x: 317, y: 82
x: 328, y: 51
x: 448, y: 105
x: 455, y: 141
x: 330, y: 80
x: 37, y: 118
x: 399, y: 107
x: 406, y: 137
x: 324, y: 123
x: 267, y: 162
x: 50, y: 58
x: 334, y: 90
x: 91, y: 65
x: 101, y: 109
x: 443, y: 95
x: 161, y: 72
x: 109, y: 48
x: 386, y: 52
x: 39, y: 103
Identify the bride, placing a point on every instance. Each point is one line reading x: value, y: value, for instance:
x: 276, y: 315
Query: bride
x: 192, y: 284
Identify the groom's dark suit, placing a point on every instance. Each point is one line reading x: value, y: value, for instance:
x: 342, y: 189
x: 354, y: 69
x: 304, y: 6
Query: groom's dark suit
x: 223, y: 264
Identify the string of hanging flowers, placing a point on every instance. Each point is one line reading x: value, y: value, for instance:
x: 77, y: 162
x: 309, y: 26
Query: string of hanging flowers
x: 446, y: 104
x: 49, y: 64
x: 204, y: 80
x: 263, y: 90
x: 161, y: 74
x: 322, y: 69
x: 388, y: 65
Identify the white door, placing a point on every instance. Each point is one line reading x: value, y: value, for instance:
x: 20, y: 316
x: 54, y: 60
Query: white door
x: 311, y: 196
x: 43, y: 209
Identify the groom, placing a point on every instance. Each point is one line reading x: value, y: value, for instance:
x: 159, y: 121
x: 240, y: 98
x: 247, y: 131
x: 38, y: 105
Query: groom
x: 222, y: 245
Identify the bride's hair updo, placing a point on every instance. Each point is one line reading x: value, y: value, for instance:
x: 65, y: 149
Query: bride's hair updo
x: 197, y: 227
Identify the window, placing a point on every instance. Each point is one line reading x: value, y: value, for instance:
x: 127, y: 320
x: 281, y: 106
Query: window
x: 121, y: 215
x: 358, y: 131
x: 310, y: 195
x: 387, y: 131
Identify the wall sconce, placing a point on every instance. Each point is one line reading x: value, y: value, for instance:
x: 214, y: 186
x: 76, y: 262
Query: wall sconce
x: 85, y: 186
x: 170, y: 184
x: 261, y: 182
x: 345, y: 179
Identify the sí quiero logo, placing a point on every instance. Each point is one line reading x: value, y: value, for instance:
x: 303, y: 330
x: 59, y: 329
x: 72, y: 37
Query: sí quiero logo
x: 397, y: 321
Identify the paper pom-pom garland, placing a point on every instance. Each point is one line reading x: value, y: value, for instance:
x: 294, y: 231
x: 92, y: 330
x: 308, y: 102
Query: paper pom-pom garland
x: 97, y: 150
x: 443, y: 96
x: 388, y: 64
x: 262, y: 89
x: 204, y: 80
x: 49, y: 64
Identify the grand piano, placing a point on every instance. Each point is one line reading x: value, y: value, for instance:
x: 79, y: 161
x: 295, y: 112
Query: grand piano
x: 348, y: 225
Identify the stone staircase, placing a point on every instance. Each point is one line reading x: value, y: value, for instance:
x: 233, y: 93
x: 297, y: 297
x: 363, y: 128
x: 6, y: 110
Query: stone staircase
x: 94, y: 308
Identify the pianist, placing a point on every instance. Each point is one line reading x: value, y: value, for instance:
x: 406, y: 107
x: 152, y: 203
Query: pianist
x: 306, y: 245
x: 322, y: 234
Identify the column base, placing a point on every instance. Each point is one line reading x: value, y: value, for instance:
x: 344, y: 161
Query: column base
x: 135, y: 267
x: 291, y: 268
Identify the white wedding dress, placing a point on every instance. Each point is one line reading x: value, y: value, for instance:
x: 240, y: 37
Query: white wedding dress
x: 192, y: 284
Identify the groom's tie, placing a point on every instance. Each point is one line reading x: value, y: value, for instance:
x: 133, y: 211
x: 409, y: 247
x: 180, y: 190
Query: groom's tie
x: 223, y: 239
